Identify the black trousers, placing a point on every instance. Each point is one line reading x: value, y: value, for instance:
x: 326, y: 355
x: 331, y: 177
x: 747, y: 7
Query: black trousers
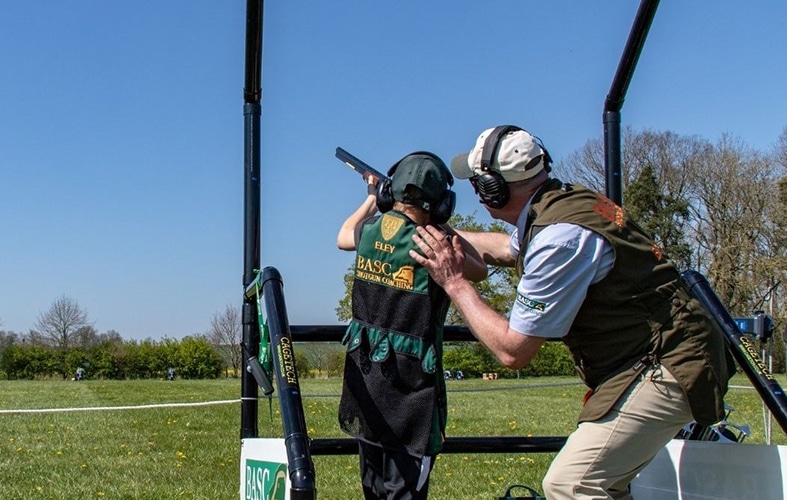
x: 393, y: 475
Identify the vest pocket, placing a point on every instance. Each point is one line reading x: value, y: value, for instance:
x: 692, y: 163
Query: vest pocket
x: 381, y: 350
x: 352, y: 337
x: 429, y: 361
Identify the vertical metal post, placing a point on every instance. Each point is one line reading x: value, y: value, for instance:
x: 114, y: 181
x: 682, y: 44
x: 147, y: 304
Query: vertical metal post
x: 251, y: 228
x: 617, y: 94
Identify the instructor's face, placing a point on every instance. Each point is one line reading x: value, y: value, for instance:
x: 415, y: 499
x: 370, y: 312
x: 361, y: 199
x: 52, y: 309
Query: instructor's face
x: 495, y: 213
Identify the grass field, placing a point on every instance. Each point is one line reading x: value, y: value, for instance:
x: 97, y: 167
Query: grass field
x: 193, y: 451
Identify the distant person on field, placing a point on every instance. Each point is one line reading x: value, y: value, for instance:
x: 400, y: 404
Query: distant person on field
x: 393, y: 399
x: 651, y: 356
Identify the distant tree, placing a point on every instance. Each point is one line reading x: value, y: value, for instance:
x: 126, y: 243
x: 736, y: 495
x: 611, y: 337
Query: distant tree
x: 781, y: 149
x: 109, y: 336
x: 302, y: 365
x: 661, y: 216
x: 226, y: 333
x: 777, y: 221
x: 7, y: 339
x: 344, y: 309
x: 655, y: 170
x: 334, y: 363
x: 729, y: 208
x: 85, y: 337
x: 319, y: 355
x: 57, y: 327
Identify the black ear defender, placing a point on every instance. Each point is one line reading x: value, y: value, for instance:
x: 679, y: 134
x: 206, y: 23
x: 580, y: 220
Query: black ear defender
x: 490, y: 185
x: 385, y: 199
x: 547, y: 157
x: 439, y: 212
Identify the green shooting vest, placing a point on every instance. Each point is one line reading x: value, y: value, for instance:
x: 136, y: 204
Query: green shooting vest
x: 639, y: 315
x: 394, y: 392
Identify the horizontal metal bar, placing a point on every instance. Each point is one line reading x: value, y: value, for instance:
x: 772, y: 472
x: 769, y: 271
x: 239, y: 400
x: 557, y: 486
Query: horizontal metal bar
x: 334, y: 333
x: 542, y: 444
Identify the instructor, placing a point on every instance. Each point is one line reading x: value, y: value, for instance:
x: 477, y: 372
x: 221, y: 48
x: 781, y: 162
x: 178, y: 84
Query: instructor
x: 651, y: 357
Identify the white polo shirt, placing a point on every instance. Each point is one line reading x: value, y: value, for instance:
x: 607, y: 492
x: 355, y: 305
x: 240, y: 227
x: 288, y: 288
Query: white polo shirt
x: 560, y: 263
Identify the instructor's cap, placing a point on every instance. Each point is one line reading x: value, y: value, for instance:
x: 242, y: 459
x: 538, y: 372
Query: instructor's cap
x: 519, y: 156
x: 423, y: 170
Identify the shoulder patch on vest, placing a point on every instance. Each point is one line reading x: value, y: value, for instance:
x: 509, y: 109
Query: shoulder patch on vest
x: 609, y: 210
x: 530, y: 303
x: 390, y: 226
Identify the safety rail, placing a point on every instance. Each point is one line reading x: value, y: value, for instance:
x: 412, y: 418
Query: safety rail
x: 268, y: 290
x: 741, y: 348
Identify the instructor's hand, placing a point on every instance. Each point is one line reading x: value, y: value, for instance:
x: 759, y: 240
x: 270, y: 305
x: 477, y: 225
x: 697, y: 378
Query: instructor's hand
x: 442, y: 257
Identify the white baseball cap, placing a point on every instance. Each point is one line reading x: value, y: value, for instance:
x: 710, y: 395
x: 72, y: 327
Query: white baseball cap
x: 519, y: 156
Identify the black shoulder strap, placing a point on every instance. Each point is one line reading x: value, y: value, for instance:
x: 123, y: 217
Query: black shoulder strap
x: 491, y: 144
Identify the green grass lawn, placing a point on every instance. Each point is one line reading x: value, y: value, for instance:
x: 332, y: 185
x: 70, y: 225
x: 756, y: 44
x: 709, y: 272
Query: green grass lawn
x: 194, y: 451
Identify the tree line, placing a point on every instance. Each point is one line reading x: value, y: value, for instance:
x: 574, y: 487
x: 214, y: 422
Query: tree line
x: 719, y: 208
x: 63, y: 340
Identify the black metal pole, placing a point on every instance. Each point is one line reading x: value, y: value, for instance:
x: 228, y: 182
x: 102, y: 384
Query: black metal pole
x: 335, y: 333
x: 470, y: 444
x: 251, y: 226
x: 617, y: 94
x: 741, y: 347
x: 296, y: 438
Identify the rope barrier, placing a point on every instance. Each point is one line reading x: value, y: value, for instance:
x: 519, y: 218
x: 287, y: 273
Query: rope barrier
x: 229, y: 401
x: 105, y: 408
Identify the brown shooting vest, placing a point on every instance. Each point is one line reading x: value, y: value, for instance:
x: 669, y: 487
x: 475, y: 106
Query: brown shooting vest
x: 639, y: 315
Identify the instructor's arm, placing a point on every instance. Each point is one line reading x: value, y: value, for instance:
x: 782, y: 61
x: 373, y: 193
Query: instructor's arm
x: 444, y: 259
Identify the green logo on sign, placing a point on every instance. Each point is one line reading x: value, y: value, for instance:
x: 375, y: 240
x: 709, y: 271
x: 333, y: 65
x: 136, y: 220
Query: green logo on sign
x: 265, y: 480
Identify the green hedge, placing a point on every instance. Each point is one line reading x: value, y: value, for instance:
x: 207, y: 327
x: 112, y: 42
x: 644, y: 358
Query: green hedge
x: 191, y: 357
x: 473, y: 359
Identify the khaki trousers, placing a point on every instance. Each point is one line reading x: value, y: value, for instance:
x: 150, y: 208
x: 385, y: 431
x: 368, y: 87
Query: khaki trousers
x: 601, y: 458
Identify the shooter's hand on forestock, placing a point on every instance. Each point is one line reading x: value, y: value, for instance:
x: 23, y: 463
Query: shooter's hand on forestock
x: 442, y: 257
x: 345, y: 240
x: 371, y: 183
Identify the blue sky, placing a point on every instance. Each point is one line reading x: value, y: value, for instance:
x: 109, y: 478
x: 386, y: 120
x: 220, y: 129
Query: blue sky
x: 121, y: 147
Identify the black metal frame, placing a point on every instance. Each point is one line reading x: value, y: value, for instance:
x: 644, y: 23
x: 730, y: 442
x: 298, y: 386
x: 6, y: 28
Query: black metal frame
x: 299, y: 448
x: 252, y: 93
x: 296, y: 438
x: 741, y: 348
x: 617, y: 94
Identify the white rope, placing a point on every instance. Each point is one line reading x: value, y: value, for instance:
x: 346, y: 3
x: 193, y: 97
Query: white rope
x: 104, y: 408
x: 229, y: 401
